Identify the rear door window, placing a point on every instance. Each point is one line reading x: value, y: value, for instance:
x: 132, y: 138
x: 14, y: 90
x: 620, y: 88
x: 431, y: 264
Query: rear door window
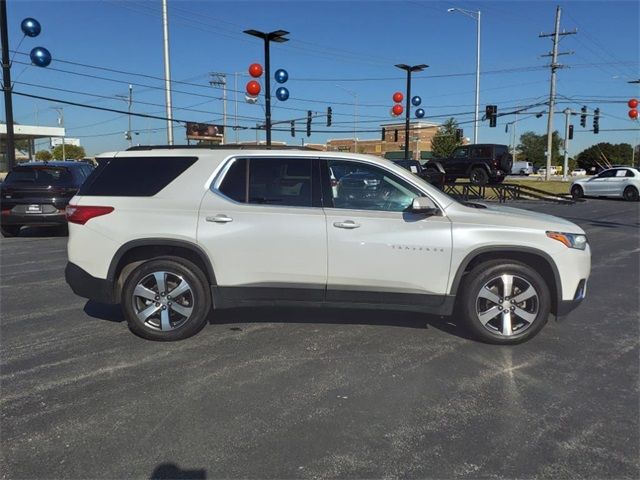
x: 270, y: 181
x: 461, y: 153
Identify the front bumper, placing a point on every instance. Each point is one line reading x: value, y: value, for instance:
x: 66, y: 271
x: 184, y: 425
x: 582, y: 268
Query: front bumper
x: 84, y: 285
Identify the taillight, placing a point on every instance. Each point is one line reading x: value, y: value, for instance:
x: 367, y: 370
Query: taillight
x: 81, y: 214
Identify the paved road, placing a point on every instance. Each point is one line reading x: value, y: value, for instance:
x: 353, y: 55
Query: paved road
x: 318, y: 393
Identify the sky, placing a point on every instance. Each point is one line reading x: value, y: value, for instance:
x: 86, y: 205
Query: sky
x: 338, y: 53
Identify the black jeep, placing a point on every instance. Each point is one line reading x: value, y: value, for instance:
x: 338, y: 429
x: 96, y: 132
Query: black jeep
x: 481, y: 163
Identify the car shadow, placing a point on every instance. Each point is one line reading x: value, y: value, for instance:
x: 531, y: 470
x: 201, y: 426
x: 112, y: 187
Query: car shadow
x: 320, y: 315
x: 43, y: 232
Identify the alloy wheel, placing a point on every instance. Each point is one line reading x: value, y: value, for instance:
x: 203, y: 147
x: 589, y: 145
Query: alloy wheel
x: 163, y: 301
x: 507, y: 305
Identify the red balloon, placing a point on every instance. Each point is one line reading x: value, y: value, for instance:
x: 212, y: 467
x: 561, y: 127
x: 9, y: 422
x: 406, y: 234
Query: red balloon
x: 397, y: 97
x: 633, y: 103
x: 633, y: 114
x: 253, y: 88
x: 397, y: 109
x: 255, y: 70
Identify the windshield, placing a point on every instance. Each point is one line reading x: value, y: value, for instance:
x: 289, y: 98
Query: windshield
x: 41, y: 176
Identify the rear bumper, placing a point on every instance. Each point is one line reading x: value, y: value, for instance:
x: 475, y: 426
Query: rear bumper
x: 11, y: 218
x: 84, y: 285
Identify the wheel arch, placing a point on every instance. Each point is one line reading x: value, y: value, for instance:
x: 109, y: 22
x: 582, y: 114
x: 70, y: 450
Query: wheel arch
x: 537, y: 259
x: 137, y: 251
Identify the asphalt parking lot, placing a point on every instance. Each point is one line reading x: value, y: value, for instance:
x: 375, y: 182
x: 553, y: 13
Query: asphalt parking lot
x: 316, y: 393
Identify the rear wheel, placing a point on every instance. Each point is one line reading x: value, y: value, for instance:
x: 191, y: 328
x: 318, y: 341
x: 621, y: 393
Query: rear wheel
x: 479, y: 176
x: 577, y: 192
x: 630, y: 194
x: 504, y: 302
x: 166, y: 299
x: 10, y: 230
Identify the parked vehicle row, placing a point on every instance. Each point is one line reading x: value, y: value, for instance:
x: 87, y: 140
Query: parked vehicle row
x: 170, y: 233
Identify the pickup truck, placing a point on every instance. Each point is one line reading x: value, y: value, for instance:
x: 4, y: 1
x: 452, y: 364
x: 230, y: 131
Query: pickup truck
x: 480, y: 163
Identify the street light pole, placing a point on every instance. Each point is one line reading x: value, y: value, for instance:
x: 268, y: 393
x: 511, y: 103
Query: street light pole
x: 409, y: 69
x: 60, y: 111
x: 167, y: 73
x: 278, y: 37
x: 477, y: 17
x: 355, y: 117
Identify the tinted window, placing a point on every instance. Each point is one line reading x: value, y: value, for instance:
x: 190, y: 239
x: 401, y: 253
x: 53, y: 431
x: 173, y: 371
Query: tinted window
x: 370, y: 188
x: 481, y: 152
x: 629, y: 174
x: 134, y: 176
x: 284, y: 181
x: 234, y: 184
x: 460, y: 153
x: 39, y: 175
x: 607, y: 174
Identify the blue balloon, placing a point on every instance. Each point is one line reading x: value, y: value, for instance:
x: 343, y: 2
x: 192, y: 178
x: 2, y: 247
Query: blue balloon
x: 40, y: 57
x: 415, y: 101
x: 419, y: 113
x: 282, y: 94
x: 30, y: 27
x: 281, y: 75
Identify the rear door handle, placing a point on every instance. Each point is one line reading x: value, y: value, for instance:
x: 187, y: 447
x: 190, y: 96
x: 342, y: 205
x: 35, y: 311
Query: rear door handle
x: 220, y: 218
x: 348, y: 224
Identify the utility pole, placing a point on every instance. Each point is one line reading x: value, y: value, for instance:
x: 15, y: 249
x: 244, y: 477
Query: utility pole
x: 60, y: 111
x: 235, y: 99
x: 220, y: 80
x: 6, y: 86
x: 129, y: 132
x: 167, y: 72
x: 565, y: 165
x: 552, y: 94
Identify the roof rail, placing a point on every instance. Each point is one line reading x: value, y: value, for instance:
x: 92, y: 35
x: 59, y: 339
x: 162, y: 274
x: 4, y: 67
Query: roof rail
x: 228, y: 146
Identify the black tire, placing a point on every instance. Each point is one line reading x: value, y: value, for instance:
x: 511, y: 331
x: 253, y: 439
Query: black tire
x: 9, y: 231
x: 630, y: 194
x: 470, y: 305
x: 577, y: 192
x: 179, y: 326
x: 479, y: 176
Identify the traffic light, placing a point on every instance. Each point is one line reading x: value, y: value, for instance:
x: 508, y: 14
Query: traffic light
x: 570, y: 132
x: 309, y: 113
x: 293, y: 128
x: 583, y: 117
x: 395, y: 135
x: 459, y: 133
x: 384, y: 133
x: 491, y: 112
x: 633, y: 109
x: 596, y: 120
x: 329, y: 112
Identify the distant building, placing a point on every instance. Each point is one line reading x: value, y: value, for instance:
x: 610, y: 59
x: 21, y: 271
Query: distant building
x: 420, y: 136
x: 26, y: 134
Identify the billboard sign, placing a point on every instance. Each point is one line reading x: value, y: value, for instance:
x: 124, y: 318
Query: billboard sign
x: 55, y: 141
x: 204, y: 131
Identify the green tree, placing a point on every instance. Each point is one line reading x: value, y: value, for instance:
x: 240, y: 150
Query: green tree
x: 604, y: 154
x: 444, y: 141
x: 71, y: 151
x: 43, y: 155
x: 532, y: 147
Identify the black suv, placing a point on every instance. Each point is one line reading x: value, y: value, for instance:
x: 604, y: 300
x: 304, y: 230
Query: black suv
x: 37, y: 193
x: 481, y: 163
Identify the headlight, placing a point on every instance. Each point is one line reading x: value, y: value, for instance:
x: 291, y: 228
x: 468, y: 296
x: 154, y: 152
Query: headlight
x: 571, y: 240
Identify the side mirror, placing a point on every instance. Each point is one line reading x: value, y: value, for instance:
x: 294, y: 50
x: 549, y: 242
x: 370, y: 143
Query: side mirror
x: 424, y: 206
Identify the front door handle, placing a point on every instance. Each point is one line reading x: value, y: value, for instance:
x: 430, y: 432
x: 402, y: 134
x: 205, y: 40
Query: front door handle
x: 348, y: 224
x: 220, y: 218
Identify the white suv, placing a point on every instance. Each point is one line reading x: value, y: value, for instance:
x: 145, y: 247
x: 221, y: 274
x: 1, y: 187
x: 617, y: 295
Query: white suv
x: 170, y: 233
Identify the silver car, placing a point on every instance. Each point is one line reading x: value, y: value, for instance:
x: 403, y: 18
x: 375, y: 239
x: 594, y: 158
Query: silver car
x: 620, y: 182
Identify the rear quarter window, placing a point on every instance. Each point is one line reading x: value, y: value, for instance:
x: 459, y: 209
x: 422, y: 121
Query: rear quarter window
x: 134, y: 176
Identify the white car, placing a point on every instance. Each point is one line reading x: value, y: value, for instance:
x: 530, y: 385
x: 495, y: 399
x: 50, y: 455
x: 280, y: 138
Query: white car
x: 578, y: 172
x: 552, y: 171
x: 621, y: 182
x: 170, y: 233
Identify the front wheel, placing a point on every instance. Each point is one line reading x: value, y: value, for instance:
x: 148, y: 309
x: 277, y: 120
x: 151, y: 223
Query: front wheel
x: 630, y: 194
x: 504, y: 302
x: 577, y: 192
x: 166, y: 299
